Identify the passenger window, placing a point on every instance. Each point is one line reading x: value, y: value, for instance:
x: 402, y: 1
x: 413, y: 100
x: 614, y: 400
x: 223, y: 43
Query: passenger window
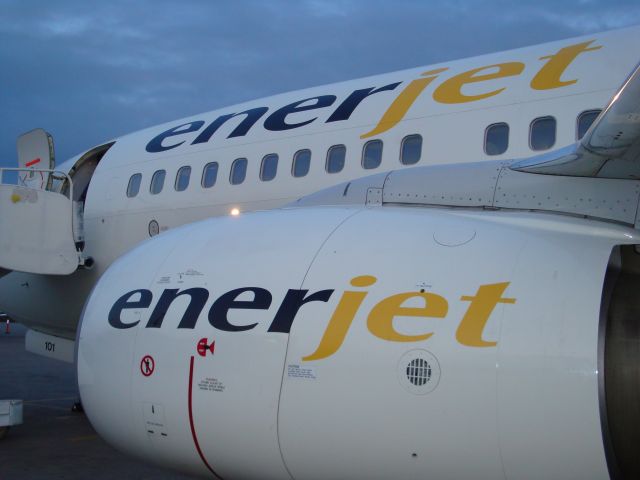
x: 134, y: 185
x: 411, y: 149
x: 335, y: 158
x: 157, y: 182
x: 209, y: 175
x: 182, y: 178
x: 372, y: 154
x: 585, y: 119
x: 238, y: 171
x: 301, y: 163
x: 496, y: 139
x: 269, y: 167
x: 542, y: 133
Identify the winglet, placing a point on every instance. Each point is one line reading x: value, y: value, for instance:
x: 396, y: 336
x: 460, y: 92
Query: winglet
x: 609, y: 149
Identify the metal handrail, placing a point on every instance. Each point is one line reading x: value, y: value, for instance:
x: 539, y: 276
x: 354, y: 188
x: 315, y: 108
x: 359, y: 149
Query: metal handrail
x: 55, y: 174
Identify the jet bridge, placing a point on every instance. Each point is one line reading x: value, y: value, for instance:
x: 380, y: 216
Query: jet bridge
x: 40, y: 224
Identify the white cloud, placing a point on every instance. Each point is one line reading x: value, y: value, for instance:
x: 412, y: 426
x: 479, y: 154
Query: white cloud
x: 65, y: 25
x: 113, y: 67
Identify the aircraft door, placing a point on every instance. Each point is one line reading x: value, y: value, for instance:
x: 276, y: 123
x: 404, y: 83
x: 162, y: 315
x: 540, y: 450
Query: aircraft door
x: 35, y: 154
x: 81, y: 174
x: 42, y: 213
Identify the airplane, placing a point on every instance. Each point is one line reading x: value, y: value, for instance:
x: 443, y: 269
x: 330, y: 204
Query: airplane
x: 427, y: 273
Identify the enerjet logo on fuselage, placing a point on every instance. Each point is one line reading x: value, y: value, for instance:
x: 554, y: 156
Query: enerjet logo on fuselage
x: 380, y: 319
x: 449, y: 91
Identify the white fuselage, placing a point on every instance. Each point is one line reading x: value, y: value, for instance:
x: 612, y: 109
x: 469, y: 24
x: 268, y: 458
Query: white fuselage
x: 449, y: 105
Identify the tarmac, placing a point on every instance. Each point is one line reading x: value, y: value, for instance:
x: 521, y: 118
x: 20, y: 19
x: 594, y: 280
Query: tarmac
x: 54, y: 442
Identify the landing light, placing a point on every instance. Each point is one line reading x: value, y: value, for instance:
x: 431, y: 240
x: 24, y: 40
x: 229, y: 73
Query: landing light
x: 235, y: 211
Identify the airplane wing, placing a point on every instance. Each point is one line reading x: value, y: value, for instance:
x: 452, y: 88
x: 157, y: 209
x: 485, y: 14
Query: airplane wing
x: 609, y: 149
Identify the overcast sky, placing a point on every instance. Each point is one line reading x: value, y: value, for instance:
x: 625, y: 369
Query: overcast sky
x: 89, y: 71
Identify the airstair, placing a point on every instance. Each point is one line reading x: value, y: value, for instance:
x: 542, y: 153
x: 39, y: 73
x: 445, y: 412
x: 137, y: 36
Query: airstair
x: 40, y: 224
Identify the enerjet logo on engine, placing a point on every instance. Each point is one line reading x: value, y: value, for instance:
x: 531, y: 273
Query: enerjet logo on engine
x: 379, y: 320
x: 448, y: 90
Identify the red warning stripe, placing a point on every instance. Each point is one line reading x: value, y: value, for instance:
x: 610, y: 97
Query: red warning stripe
x: 32, y: 162
x: 193, y: 428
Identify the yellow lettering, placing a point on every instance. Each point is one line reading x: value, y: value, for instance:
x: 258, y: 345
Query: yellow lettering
x: 403, y: 102
x: 549, y: 75
x: 380, y: 321
x: 470, y: 330
x: 341, y: 319
x: 450, y: 91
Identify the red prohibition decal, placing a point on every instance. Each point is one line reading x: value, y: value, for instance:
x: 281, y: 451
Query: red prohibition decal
x: 147, y: 365
x: 203, y: 347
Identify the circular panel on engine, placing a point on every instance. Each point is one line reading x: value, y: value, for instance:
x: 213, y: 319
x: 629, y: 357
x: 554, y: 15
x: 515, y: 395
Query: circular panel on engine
x: 454, y: 235
x: 419, y: 372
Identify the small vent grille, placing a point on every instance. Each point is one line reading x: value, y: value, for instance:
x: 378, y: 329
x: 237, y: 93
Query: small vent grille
x: 419, y: 371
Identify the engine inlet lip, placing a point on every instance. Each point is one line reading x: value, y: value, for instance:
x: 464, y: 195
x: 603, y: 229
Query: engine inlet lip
x: 610, y: 279
x: 619, y: 363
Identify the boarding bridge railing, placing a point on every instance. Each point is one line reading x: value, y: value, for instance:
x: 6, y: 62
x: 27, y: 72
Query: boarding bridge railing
x: 39, y: 227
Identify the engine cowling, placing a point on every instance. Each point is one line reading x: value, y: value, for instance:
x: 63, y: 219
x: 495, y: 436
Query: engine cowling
x: 389, y: 342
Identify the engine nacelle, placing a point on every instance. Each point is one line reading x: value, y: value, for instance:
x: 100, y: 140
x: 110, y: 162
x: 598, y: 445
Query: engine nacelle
x: 388, y: 342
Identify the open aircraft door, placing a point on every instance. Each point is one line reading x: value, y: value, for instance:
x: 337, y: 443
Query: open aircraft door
x: 41, y: 228
x: 35, y: 156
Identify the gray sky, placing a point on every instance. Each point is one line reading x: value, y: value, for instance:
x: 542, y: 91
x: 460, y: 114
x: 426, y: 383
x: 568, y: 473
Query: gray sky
x: 88, y: 71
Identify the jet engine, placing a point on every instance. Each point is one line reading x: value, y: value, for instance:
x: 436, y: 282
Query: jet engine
x: 380, y: 342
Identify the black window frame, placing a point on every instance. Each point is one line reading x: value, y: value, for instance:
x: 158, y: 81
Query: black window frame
x: 137, y: 176
x: 233, y: 168
x: 555, y: 132
x: 596, y: 111
x: 263, y: 163
x: 153, y: 177
x: 329, y: 152
x: 175, y: 183
x: 486, y: 135
x: 204, y: 173
x: 402, y: 146
x: 365, y: 147
x: 295, y: 162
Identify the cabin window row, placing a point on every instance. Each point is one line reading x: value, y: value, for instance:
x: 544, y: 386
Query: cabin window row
x: 542, y: 133
x: 410, y: 153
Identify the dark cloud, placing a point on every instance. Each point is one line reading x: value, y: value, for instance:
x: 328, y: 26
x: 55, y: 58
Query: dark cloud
x: 90, y: 71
